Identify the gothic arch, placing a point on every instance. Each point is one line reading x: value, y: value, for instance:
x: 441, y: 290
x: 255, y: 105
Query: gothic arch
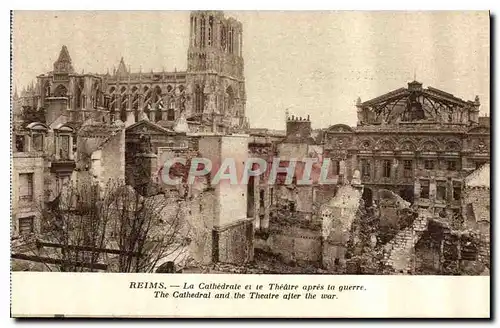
x: 46, y: 89
x: 229, y: 99
x: 157, y: 92
x: 199, y: 99
x: 366, y: 144
x: 428, y: 145
x: 112, y: 90
x: 453, y: 145
x: 386, y: 144
x: 96, y: 94
x: 60, y: 91
x: 407, y: 145
x: 340, y: 128
x: 169, y: 88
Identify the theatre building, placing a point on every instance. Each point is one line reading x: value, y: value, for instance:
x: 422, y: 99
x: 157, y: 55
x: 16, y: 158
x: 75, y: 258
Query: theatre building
x: 418, y: 142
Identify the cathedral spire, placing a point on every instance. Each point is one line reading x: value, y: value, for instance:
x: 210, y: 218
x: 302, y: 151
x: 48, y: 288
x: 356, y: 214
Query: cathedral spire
x: 16, y: 96
x: 122, y: 69
x: 63, y: 63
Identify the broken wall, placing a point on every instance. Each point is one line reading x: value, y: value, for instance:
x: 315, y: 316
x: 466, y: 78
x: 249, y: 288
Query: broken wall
x: 338, y: 216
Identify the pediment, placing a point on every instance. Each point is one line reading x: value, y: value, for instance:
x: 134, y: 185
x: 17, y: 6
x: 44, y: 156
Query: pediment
x: 144, y: 126
x: 479, y: 129
x: 340, y: 128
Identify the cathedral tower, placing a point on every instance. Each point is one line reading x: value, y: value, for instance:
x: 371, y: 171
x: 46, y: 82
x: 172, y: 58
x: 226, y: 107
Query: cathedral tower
x: 215, y: 73
x: 63, y: 92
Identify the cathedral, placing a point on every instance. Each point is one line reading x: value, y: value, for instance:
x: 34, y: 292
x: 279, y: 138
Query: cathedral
x: 414, y: 150
x: 208, y: 97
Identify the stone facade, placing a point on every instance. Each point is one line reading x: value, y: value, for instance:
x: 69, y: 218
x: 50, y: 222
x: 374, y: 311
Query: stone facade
x: 27, y: 192
x: 476, y: 208
x: 419, y: 143
x: 338, y: 216
x: 232, y: 240
x: 210, y: 95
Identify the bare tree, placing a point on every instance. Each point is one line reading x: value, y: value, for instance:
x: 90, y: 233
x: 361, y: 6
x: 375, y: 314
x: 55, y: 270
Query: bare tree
x: 148, y: 230
x: 74, y: 225
x: 87, y: 228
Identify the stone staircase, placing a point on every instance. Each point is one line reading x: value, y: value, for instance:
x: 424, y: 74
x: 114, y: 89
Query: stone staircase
x: 398, y: 252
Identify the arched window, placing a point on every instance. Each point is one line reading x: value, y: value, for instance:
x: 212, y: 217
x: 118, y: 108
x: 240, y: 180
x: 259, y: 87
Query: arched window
x: 97, y: 94
x: 195, y: 29
x: 157, y: 94
x: 60, y: 91
x: 47, y: 89
x: 229, y: 100
x: 223, y: 38
x: 210, y: 30
x: 112, y: 105
x: 123, y: 104
x: 202, y: 32
x: 123, y: 108
x: 199, y: 99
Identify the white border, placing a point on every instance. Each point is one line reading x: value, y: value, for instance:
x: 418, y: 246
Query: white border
x: 178, y: 5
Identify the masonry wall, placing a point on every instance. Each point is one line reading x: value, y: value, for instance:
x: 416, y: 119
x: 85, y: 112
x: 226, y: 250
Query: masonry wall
x: 234, y: 243
x: 27, y: 163
x: 478, y: 199
x: 292, y: 243
x: 113, y: 158
x: 232, y: 234
x: 338, y: 215
x: 289, y: 151
x: 200, y: 217
x: 56, y: 108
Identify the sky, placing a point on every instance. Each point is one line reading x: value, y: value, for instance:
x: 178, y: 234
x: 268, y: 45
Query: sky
x: 309, y: 62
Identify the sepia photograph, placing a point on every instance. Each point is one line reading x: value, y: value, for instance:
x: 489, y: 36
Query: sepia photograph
x: 251, y: 143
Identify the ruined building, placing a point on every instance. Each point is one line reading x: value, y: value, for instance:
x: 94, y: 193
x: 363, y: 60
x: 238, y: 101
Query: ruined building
x: 414, y: 148
x: 409, y: 168
x: 83, y: 128
x: 418, y: 142
x: 399, y: 174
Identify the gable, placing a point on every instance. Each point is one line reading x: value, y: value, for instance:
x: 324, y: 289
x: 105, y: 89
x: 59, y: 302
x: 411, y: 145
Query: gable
x: 341, y: 128
x: 148, y: 127
x: 479, y: 129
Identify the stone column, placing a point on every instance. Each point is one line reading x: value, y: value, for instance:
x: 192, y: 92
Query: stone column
x: 432, y: 190
x: 449, y: 190
x: 71, y: 155
x: 265, y: 222
x: 417, y: 188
